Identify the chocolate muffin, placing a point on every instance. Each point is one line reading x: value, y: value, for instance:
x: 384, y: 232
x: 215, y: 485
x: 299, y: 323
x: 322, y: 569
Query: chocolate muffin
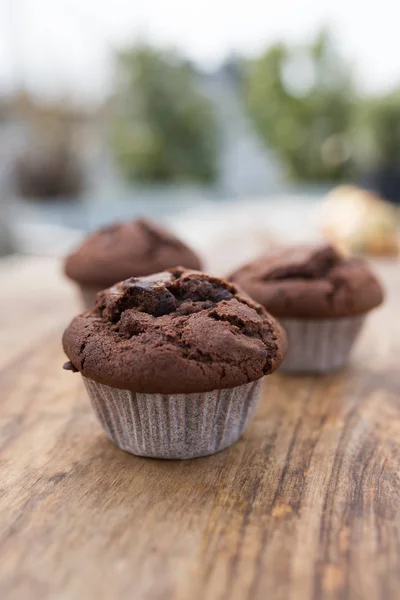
x: 173, y: 363
x: 133, y: 249
x: 320, y: 297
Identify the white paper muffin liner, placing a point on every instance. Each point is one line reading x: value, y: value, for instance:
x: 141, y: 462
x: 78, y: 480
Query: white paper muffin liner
x: 174, y: 425
x: 318, y: 346
x: 88, y: 296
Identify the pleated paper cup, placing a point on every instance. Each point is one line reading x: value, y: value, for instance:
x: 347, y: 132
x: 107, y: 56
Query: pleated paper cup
x: 175, y: 425
x: 88, y: 296
x: 319, y: 346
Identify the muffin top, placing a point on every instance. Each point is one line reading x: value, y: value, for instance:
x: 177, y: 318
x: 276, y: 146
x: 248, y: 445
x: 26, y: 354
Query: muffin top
x: 315, y: 282
x: 122, y: 250
x: 179, y: 331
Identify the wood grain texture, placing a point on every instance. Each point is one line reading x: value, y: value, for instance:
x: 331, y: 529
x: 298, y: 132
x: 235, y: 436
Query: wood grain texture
x: 304, y: 506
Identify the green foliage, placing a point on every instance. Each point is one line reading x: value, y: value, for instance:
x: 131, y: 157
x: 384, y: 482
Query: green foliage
x: 377, y: 130
x: 300, y: 100
x: 165, y: 129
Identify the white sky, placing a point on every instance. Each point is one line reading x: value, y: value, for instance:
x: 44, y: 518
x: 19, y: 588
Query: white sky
x: 64, y: 46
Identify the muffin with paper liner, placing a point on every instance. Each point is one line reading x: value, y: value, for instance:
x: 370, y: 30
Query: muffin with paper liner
x: 131, y: 249
x: 320, y: 297
x: 174, y: 362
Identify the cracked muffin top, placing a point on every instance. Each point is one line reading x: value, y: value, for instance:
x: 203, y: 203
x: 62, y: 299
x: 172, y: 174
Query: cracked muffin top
x: 133, y: 249
x: 315, y: 282
x: 179, y: 331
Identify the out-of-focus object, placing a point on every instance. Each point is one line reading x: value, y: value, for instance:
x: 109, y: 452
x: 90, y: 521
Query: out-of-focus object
x: 6, y: 242
x: 319, y: 296
x: 42, y: 239
x: 376, y: 134
x: 133, y: 249
x: 57, y: 141
x: 165, y: 129
x: 300, y: 99
x: 385, y: 180
x: 7, y: 245
x: 48, y: 173
x: 360, y: 221
x: 230, y: 234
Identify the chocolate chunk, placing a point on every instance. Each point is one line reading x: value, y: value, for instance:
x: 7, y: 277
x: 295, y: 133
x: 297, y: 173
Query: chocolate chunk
x: 68, y: 366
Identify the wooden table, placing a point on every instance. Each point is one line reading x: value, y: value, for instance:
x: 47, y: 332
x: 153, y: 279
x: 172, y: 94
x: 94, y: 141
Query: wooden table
x: 305, y: 506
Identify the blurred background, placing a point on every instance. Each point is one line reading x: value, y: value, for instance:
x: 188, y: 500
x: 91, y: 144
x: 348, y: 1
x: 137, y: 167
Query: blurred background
x: 231, y: 123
